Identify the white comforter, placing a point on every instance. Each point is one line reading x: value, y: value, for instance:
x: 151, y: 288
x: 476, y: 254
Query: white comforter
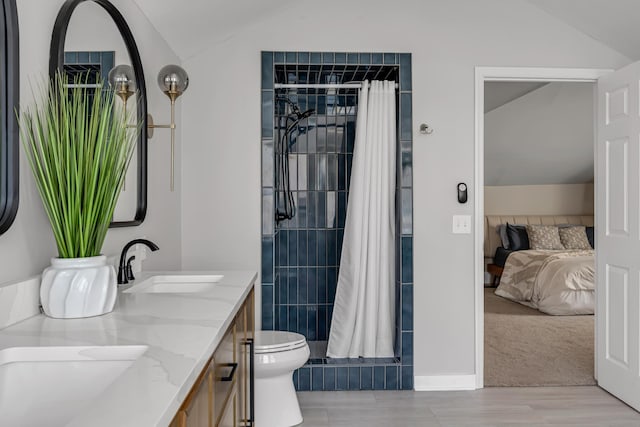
x: 554, y: 282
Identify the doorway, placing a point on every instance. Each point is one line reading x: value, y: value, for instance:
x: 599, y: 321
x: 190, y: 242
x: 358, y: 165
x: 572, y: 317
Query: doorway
x: 502, y: 74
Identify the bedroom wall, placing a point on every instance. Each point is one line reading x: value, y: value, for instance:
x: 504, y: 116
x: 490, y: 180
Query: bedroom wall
x: 543, y: 137
x: 447, y: 39
x: 555, y: 199
x: 26, y: 248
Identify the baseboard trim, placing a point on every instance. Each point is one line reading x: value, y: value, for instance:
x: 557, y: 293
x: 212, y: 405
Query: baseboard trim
x: 444, y: 382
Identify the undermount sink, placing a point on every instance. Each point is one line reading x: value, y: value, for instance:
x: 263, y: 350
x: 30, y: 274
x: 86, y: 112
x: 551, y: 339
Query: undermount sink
x: 48, y: 385
x: 177, y: 284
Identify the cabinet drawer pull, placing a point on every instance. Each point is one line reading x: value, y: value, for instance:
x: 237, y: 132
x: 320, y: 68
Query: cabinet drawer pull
x: 251, y: 420
x: 233, y: 367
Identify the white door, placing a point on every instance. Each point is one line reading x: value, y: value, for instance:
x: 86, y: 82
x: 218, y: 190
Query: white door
x: 618, y: 234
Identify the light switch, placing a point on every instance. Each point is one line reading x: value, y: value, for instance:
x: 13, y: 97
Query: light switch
x: 462, y: 224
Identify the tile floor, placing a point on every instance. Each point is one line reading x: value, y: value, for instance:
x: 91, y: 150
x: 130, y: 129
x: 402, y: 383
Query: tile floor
x: 536, y: 406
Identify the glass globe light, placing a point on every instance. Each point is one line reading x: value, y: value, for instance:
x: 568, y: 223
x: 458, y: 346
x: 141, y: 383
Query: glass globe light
x: 173, y: 81
x: 123, y: 81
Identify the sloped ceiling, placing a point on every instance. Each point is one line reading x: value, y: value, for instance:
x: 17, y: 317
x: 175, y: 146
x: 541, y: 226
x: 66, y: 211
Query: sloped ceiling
x: 616, y: 23
x: 190, y: 26
x: 543, y: 137
x: 497, y: 94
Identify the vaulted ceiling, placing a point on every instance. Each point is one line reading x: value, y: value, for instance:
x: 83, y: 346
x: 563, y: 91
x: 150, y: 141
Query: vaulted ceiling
x: 497, y: 94
x: 542, y: 137
x: 615, y: 23
x: 191, y: 26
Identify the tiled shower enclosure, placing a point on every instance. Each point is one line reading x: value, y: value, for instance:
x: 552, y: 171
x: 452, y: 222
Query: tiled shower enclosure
x: 301, y: 256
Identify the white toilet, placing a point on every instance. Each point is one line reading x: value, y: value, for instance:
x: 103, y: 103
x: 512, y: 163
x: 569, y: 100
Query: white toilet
x: 277, y: 355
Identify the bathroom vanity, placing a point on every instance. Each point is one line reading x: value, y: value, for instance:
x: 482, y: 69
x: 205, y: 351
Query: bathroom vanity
x: 176, y: 351
x: 222, y: 394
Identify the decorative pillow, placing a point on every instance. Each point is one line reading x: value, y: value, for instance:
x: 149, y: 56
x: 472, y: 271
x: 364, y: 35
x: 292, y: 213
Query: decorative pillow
x: 502, y: 232
x: 544, y: 237
x: 590, y: 236
x: 518, y: 238
x: 574, y: 237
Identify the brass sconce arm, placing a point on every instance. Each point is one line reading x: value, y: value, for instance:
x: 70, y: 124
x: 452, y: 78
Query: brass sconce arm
x: 173, y: 81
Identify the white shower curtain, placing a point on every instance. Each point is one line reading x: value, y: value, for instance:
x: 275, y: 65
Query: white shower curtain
x: 364, y: 308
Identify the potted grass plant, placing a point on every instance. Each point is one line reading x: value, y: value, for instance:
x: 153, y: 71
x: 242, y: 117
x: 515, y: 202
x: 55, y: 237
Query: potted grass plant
x: 79, y: 148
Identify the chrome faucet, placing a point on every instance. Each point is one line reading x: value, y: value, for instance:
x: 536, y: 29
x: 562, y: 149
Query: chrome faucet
x: 122, y: 268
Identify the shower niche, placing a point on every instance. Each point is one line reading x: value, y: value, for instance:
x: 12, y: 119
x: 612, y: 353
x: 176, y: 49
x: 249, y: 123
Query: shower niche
x: 308, y: 136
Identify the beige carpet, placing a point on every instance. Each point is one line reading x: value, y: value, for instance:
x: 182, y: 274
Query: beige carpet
x: 524, y: 347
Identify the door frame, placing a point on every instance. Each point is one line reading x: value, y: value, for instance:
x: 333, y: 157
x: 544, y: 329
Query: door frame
x: 506, y: 74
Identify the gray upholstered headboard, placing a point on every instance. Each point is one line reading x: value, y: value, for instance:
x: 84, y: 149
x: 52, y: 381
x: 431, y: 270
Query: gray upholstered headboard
x: 492, y: 239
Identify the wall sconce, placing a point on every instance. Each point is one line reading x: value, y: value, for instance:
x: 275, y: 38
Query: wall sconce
x: 173, y: 81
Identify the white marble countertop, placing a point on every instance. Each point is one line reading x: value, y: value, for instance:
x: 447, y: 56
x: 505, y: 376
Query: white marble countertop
x: 181, y: 331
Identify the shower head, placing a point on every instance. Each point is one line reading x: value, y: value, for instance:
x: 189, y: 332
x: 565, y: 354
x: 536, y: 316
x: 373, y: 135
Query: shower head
x: 295, y: 114
x: 306, y: 114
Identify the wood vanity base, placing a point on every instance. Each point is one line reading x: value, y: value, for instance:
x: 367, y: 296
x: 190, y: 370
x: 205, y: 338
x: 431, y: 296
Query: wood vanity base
x: 221, y: 396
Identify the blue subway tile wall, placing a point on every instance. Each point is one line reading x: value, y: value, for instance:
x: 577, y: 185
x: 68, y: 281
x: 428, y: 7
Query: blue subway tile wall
x: 379, y: 378
x: 267, y: 70
x: 342, y: 378
x: 99, y: 63
x: 317, y: 378
x: 354, y: 377
x: 329, y: 374
x: 366, y: 378
x: 301, y: 256
x: 310, y: 244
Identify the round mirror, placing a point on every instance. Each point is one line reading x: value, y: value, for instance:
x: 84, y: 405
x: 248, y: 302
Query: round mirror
x: 9, y: 98
x: 91, y: 38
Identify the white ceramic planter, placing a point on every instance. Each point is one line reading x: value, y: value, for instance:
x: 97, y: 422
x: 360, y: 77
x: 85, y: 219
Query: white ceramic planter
x: 78, y: 287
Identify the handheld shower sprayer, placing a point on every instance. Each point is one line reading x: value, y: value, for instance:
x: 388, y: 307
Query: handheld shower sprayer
x: 305, y: 114
x: 285, y: 201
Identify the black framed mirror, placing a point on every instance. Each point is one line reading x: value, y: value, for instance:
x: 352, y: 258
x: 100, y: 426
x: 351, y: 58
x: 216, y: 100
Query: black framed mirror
x: 66, y: 55
x: 9, y: 100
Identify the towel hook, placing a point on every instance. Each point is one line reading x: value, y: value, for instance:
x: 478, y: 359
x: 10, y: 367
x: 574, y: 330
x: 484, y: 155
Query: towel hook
x: 425, y: 129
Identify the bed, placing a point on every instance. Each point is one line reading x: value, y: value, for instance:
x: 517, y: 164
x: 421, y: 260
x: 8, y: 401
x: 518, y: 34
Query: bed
x: 556, y: 282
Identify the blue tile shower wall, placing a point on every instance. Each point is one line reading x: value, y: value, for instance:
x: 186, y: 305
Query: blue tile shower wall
x: 308, y: 247
x: 104, y: 60
x: 300, y: 257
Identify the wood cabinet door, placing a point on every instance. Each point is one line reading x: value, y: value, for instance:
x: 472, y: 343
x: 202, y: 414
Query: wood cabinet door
x: 180, y: 419
x: 244, y: 330
x: 222, y: 394
x: 229, y: 417
x: 226, y: 372
x: 243, y: 364
x: 246, y: 319
x: 199, y: 413
x: 196, y: 410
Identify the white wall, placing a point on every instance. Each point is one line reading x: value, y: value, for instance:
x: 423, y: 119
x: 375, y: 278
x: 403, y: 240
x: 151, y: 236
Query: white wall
x: 221, y: 174
x: 543, y: 137
x: 25, y: 249
x: 558, y: 199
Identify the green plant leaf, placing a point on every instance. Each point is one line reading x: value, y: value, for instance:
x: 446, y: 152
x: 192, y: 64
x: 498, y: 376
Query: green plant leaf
x: 79, y: 147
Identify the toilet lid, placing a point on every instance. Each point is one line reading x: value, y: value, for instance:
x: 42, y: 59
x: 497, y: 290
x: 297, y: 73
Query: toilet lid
x: 274, y: 341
